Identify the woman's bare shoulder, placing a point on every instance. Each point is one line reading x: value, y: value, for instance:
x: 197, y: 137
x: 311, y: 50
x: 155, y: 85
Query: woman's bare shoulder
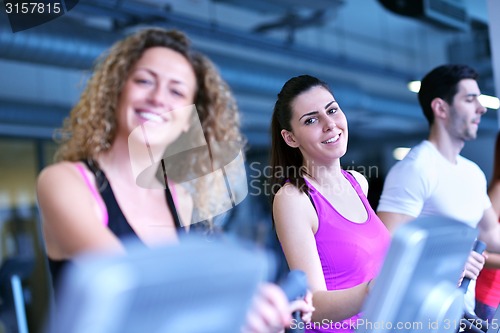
x: 291, y: 200
x: 61, y: 168
x: 288, y: 190
x: 59, y: 175
x: 361, y: 179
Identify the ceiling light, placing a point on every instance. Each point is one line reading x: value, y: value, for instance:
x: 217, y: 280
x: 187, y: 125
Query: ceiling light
x: 490, y: 102
x: 414, y: 86
x: 400, y: 152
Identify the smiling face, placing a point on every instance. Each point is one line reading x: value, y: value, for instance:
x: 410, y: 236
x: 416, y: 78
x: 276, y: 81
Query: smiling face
x: 159, y: 90
x: 465, y: 112
x: 319, y: 127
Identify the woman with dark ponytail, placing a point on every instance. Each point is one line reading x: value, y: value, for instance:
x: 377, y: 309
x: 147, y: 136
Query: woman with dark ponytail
x: 323, y: 220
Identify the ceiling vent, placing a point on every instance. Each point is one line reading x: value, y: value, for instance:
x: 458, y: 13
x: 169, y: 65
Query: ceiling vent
x: 445, y: 13
x: 278, y: 6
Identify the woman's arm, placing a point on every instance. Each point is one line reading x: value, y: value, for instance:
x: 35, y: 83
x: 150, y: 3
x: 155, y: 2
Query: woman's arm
x: 72, y: 221
x: 493, y: 259
x: 296, y: 223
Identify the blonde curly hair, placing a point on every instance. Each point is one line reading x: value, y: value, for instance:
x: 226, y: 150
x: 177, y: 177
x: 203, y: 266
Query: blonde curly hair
x: 91, y: 126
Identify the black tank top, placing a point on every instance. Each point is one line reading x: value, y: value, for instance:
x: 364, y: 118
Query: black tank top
x: 117, y: 222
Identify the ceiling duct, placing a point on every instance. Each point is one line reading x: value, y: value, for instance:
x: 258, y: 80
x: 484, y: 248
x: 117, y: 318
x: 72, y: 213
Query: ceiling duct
x: 58, y: 43
x: 20, y: 119
x: 474, y: 50
x: 292, y: 15
x: 280, y: 6
x: 65, y: 43
x: 445, y: 13
x: 68, y: 43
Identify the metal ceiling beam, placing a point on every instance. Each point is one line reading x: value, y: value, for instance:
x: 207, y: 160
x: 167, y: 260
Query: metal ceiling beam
x: 279, y: 6
x: 62, y: 43
x: 27, y: 120
x: 67, y: 45
x: 58, y: 43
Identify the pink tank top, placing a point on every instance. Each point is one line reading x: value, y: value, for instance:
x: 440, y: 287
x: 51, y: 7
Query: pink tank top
x: 350, y: 253
x: 94, y: 192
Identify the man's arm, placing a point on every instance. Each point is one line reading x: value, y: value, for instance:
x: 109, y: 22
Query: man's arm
x: 393, y: 220
x: 492, y: 260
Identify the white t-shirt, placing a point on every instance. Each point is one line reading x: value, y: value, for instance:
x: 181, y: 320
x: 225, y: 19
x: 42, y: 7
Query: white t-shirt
x: 425, y: 183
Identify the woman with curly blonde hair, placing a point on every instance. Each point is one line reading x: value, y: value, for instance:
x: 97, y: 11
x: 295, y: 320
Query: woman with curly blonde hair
x: 147, y: 80
x: 91, y: 128
x: 141, y: 80
x: 138, y: 102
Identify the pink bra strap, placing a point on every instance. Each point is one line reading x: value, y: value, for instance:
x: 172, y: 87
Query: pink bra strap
x: 94, y: 192
x: 171, y: 186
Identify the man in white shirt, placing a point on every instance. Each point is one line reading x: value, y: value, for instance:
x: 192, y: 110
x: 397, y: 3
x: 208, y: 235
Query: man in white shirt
x: 434, y: 179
